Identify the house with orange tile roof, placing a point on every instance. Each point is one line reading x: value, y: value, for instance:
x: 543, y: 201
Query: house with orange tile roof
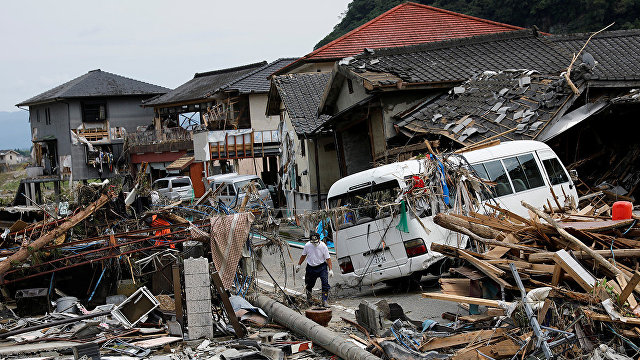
x: 406, y: 24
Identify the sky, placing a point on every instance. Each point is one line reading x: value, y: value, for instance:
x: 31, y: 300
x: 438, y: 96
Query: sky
x: 47, y: 43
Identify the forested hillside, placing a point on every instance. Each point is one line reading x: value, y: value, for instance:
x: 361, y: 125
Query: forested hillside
x: 554, y: 16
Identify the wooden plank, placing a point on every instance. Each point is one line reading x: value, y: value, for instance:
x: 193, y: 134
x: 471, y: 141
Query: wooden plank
x: 177, y: 294
x: 231, y: 315
x: 436, y: 343
x: 491, y: 271
x: 601, y: 317
x: 628, y: 289
x: 596, y: 226
x: 502, y: 349
x: 575, y: 270
x: 462, y: 299
x: 476, y: 318
x: 455, y: 286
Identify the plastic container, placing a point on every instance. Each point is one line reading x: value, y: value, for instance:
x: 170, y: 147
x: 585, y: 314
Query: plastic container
x: 621, y: 210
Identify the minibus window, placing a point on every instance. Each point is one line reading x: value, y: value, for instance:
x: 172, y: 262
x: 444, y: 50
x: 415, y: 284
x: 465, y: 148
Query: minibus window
x: 555, y: 171
x: 524, y: 172
x: 496, y: 173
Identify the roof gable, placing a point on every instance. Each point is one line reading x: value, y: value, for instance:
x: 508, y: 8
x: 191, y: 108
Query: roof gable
x: 406, y: 24
x: 96, y: 83
x: 257, y: 81
x: 301, y: 94
x: 204, y: 85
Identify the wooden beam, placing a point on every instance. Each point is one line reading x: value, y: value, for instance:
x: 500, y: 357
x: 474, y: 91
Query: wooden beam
x: 575, y: 270
x: 542, y: 257
x: 628, y: 289
x: 436, y: 343
x: 462, y: 299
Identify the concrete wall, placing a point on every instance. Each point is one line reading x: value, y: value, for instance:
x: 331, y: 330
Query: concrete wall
x: 257, y: 107
x: 58, y: 129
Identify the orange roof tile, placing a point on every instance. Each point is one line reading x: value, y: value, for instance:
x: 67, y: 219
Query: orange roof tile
x: 406, y: 24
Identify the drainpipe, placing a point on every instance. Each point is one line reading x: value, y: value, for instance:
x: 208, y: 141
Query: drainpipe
x: 315, y: 145
x: 320, y: 335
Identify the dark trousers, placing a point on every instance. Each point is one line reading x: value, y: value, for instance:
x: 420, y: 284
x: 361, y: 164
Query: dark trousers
x: 313, y: 273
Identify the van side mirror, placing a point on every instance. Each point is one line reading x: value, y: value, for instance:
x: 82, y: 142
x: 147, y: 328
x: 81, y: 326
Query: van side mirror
x: 573, y: 174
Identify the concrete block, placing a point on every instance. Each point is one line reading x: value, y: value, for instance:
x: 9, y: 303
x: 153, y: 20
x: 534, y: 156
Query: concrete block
x: 200, y: 319
x: 199, y: 306
x: 196, y: 280
x: 199, y: 332
x: 199, y: 293
x: 196, y: 266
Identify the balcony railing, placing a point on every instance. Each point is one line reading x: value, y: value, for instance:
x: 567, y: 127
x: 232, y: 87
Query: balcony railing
x: 149, y: 137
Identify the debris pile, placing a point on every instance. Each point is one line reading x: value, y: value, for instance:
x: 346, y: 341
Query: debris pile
x: 552, y: 285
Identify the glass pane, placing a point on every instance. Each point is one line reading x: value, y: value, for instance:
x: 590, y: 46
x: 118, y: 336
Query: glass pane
x: 181, y: 183
x: 161, y: 184
x: 531, y: 171
x: 555, y: 171
x: 516, y: 173
x: 479, y: 168
x: 496, y: 173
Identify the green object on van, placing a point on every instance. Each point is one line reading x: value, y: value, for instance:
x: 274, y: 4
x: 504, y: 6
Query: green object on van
x: 403, y: 224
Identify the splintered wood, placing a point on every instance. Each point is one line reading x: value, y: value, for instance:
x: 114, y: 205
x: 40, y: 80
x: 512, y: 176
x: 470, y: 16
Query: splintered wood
x: 579, y: 268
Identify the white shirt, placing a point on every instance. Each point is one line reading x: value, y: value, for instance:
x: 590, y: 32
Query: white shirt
x: 316, y: 255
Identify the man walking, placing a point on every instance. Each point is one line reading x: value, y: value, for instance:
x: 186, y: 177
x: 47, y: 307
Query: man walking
x: 318, y: 262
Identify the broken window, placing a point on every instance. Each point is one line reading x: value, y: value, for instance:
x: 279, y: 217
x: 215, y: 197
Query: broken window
x: 93, y: 111
x: 524, y: 172
x: 555, y: 171
x: 47, y: 116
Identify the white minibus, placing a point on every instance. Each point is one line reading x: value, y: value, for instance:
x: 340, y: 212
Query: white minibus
x: 369, y: 247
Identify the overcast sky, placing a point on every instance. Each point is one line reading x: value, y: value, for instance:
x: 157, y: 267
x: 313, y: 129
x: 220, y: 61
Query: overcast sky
x: 46, y: 43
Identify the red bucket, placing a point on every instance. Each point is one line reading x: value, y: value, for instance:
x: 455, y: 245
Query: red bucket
x: 621, y: 210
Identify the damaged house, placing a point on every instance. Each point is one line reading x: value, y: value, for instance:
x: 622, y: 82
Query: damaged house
x: 220, y: 115
x: 463, y: 92
x: 78, y: 128
x: 297, y: 88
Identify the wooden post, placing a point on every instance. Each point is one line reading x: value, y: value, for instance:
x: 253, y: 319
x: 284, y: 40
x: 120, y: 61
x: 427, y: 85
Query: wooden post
x: 233, y: 319
x: 177, y: 294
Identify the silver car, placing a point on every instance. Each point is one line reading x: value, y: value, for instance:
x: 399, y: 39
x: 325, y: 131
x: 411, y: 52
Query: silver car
x: 232, y: 193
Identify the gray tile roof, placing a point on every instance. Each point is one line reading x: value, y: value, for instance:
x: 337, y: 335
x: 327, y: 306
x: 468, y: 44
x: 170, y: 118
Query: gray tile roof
x: 96, y: 83
x: 617, y: 53
x: 301, y: 94
x: 258, y: 80
x: 492, y: 104
x: 204, y: 85
x: 460, y: 59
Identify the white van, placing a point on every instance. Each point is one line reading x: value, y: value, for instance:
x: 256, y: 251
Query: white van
x: 174, y: 187
x: 232, y: 194
x: 369, y: 247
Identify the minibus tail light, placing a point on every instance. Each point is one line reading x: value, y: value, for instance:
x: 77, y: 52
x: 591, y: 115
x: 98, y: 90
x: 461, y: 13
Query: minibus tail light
x: 415, y: 247
x: 346, y: 266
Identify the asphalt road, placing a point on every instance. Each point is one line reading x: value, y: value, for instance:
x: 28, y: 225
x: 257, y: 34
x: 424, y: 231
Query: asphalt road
x: 344, y: 300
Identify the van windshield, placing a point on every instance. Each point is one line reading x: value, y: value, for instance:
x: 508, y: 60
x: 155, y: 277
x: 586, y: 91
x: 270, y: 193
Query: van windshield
x: 241, y: 184
x: 365, y: 200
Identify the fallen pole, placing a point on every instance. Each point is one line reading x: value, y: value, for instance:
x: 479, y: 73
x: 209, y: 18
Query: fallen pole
x: 26, y: 251
x: 327, y: 339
